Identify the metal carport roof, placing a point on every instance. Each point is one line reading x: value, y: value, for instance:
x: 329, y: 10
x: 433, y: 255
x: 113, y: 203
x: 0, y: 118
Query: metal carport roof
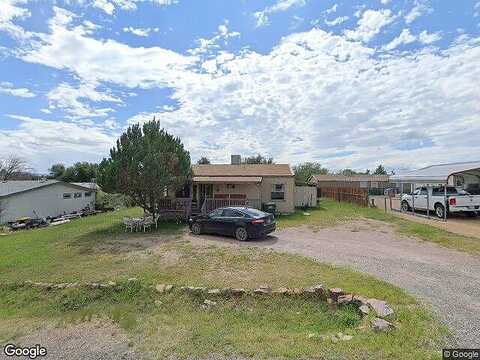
x: 437, y: 174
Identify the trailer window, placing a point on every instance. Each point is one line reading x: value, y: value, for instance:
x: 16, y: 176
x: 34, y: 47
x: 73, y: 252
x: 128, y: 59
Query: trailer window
x: 67, y: 195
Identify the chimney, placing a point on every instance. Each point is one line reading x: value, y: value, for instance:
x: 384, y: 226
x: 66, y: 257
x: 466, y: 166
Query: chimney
x: 236, y: 159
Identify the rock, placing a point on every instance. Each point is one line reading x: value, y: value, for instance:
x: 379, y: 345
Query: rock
x: 238, y: 291
x: 111, y: 283
x: 214, y: 292
x: 364, y: 309
x: 319, y: 288
x: 158, y: 303
x: 210, y: 302
x: 360, y: 300
x: 334, y: 293
x: 280, y: 291
x: 380, y: 307
x: 161, y: 288
x: 262, y: 291
x: 345, y: 299
x: 380, y: 325
x: 343, y: 337
x: 132, y: 280
x: 309, y: 290
x: 168, y: 288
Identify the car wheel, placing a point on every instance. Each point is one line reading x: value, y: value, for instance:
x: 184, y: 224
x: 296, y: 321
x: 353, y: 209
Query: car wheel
x: 440, y: 211
x: 241, y: 234
x: 405, y: 206
x: 196, y: 229
x: 471, y: 214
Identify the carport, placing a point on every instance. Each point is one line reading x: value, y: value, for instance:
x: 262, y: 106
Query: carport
x: 465, y: 175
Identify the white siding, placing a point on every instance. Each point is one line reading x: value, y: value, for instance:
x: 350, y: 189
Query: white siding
x: 43, y: 202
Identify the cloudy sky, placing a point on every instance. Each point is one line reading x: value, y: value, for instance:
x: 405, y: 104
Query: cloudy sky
x: 345, y: 83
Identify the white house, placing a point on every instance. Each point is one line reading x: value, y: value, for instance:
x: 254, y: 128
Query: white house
x: 43, y: 198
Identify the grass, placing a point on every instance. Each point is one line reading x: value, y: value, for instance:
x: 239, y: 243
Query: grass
x: 97, y: 249
x: 331, y: 213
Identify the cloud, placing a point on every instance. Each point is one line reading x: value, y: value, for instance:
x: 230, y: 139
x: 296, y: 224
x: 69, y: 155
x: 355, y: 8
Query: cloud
x: 261, y: 17
x: 9, y: 13
x: 404, y: 38
x: 8, y: 88
x: 43, y: 143
x: 426, y: 38
x: 70, y: 48
x: 207, y: 47
x: 110, y: 6
x: 74, y: 100
x: 420, y: 8
x: 332, y: 9
x: 140, y: 31
x: 370, y: 24
x: 339, y: 20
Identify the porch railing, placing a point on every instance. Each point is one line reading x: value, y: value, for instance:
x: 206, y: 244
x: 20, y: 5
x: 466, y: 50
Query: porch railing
x: 212, y: 204
x: 175, y: 208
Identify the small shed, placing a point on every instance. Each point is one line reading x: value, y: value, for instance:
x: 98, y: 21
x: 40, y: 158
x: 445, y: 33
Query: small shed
x: 464, y: 175
x: 305, y: 195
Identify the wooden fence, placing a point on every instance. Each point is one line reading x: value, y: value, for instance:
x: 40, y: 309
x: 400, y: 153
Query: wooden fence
x: 357, y: 196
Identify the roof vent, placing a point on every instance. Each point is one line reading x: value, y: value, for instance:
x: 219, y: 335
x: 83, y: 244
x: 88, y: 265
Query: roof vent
x: 236, y: 160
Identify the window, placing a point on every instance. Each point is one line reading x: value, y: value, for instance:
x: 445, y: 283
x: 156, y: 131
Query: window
x: 423, y: 191
x: 88, y: 194
x: 67, y: 195
x: 77, y: 195
x: 278, y: 192
x: 230, y: 186
x: 232, y: 213
x: 215, y: 213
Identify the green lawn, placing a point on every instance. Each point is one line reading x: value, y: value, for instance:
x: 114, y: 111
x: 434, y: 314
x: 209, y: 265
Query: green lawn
x: 331, y: 213
x: 98, y: 249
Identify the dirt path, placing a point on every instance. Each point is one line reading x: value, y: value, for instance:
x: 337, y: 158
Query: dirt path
x: 445, y: 278
x: 85, y: 341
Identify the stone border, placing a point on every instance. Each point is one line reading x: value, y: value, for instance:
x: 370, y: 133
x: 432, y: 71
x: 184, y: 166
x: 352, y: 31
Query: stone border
x: 378, y: 310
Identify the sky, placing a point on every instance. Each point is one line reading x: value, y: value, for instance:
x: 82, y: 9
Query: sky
x: 344, y: 83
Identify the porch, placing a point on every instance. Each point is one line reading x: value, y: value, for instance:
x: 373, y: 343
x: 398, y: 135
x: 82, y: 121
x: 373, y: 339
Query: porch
x: 209, y: 192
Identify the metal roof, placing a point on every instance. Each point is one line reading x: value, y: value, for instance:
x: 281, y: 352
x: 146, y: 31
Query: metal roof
x: 227, y: 179
x: 437, y: 173
x: 8, y: 188
x: 352, y: 178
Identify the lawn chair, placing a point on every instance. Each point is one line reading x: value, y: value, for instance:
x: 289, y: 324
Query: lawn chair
x: 129, y: 224
x: 147, y: 223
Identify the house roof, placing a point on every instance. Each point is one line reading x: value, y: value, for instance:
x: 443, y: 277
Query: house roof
x: 8, y: 188
x: 438, y: 173
x: 89, y: 185
x: 353, y: 178
x: 243, y: 170
x: 227, y: 179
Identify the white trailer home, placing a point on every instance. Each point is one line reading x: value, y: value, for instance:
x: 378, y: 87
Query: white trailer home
x: 43, y: 198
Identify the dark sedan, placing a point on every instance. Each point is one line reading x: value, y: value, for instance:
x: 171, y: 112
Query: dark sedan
x: 241, y: 222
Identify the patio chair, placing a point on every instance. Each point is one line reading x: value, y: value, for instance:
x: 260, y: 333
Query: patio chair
x: 129, y: 224
x: 147, y: 223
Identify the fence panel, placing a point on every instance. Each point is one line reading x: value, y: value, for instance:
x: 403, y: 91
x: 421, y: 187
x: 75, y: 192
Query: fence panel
x: 357, y: 196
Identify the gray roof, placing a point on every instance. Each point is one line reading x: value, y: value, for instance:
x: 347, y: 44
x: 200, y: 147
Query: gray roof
x: 8, y: 188
x: 438, y: 173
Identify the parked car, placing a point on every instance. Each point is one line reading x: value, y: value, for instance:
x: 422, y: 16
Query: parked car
x: 457, y: 201
x: 241, y: 222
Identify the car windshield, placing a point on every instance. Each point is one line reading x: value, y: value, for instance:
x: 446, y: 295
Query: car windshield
x: 254, y: 212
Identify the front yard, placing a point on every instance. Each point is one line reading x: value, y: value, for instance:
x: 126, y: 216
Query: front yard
x: 96, y: 249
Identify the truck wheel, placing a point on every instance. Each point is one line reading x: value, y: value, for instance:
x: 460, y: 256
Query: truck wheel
x: 405, y: 206
x: 241, y: 234
x: 440, y: 211
x: 471, y: 214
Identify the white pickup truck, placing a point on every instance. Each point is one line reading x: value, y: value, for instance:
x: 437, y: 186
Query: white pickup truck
x: 457, y: 201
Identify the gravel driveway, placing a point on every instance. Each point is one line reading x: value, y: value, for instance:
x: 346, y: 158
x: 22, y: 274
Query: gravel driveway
x: 445, y: 278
